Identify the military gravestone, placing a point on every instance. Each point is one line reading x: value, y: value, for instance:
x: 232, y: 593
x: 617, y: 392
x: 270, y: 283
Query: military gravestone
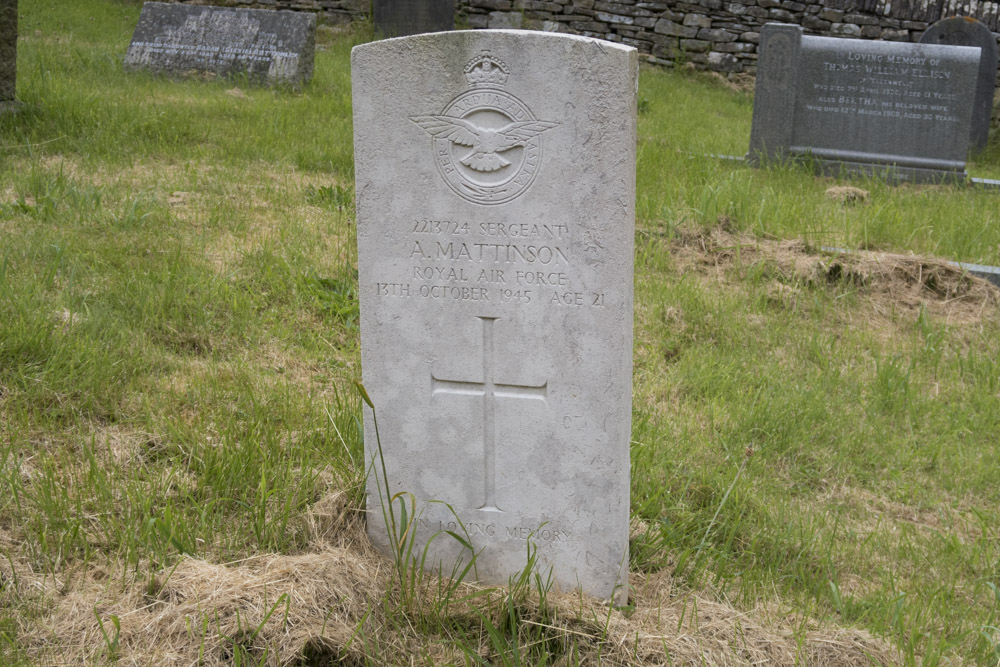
x: 967, y: 31
x: 8, y: 54
x: 896, y: 109
x: 268, y: 46
x: 495, y: 176
x: 397, y: 18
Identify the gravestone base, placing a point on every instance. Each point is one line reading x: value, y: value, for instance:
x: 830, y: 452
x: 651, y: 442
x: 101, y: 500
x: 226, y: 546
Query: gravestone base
x: 845, y: 164
x: 893, y: 174
x: 10, y: 107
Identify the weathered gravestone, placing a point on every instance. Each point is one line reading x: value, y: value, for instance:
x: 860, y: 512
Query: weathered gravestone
x: 967, y: 31
x: 8, y: 54
x: 266, y: 45
x: 896, y: 109
x: 397, y: 18
x: 495, y: 176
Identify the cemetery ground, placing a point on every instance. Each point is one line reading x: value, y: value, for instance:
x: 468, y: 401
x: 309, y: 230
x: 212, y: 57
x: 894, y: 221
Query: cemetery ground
x: 815, y: 449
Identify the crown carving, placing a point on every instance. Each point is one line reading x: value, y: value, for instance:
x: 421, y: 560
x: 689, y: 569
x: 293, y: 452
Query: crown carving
x: 486, y: 71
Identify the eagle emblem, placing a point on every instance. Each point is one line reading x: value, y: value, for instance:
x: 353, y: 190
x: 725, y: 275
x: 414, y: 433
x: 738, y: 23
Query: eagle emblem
x: 487, y: 143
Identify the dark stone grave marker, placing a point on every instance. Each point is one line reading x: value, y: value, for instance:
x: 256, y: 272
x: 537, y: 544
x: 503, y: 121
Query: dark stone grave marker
x: 8, y: 54
x: 899, y: 110
x: 268, y: 46
x: 398, y: 18
x: 967, y: 31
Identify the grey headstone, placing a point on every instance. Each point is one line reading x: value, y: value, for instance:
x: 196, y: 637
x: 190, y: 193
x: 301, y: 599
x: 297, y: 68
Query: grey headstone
x: 398, y: 18
x: 967, y: 31
x: 8, y: 53
x: 495, y: 176
x: 266, y: 45
x: 506, y: 20
x: 899, y: 110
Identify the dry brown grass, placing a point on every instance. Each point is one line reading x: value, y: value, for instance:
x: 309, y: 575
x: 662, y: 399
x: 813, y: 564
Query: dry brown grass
x: 280, y: 608
x: 891, y: 283
x: 847, y: 194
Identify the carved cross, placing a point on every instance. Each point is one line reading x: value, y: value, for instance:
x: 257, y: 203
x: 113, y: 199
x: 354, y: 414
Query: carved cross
x: 490, y: 390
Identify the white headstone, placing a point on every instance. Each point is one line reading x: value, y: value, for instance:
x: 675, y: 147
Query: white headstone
x: 495, y: 178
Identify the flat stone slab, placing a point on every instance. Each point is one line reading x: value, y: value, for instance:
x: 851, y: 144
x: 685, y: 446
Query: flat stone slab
x: 399, y: 18
x: 268, y: 46
x: 989, y: 273
x: 983, y: 183
x: 895, y: 109
x: 967, y: 31
x: 8, y: 53
x: 986, y: 183
x: 495, y: 179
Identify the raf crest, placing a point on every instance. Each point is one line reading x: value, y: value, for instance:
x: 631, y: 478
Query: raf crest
x: 487, y: 143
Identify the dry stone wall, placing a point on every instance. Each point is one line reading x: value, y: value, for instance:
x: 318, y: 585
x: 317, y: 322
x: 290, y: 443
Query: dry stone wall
x: 720, y: 35
x: 331, y: 11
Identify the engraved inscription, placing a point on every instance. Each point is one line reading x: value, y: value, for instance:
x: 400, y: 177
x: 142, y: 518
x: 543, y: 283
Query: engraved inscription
x: 544, y: 533
x: 489, y: 390
x: 206, y: 54
x: 457, y: 260
x: 192, y: 40
x: 884, y: 85
x: 490, y: 252
x: 486, y: 142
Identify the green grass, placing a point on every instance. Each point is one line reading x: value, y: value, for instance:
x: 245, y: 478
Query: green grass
x: 179, y: 338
